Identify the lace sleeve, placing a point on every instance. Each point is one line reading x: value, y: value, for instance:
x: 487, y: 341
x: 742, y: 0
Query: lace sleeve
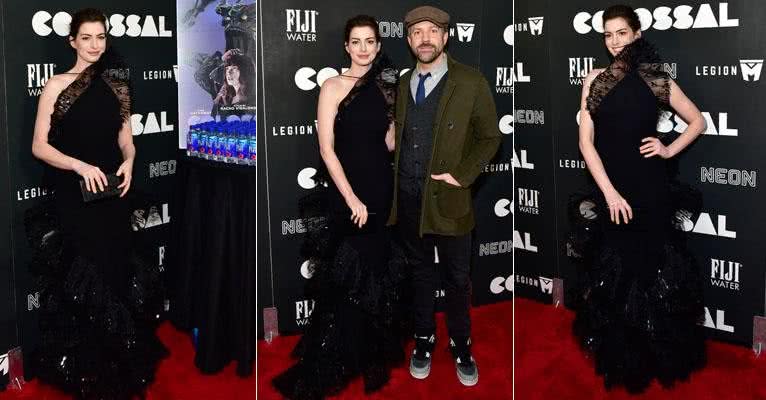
x: 642, y: 57
x: 603, y: 83
x: 659, y: 81
x: 385, y: 76
x: 118, y: 80
x: 388, y: 82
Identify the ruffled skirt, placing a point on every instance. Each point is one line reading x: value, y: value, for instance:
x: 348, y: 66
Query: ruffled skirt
x: 639, y: 296
x: 357, y: 325
x: 96, y: 341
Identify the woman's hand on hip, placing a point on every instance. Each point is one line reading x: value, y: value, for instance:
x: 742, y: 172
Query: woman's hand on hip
x: 654, y: 147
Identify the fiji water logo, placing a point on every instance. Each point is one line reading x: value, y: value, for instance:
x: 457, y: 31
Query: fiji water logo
x: 303, y: 311
x: 37, y: 76
x: 301, y: 25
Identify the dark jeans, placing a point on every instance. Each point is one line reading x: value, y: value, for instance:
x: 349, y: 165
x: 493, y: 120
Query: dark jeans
x: 454, y: 265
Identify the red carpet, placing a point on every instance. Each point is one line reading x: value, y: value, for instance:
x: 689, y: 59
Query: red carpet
x: 550, y: 365
x: 492, y: 337
x: 177, y: 378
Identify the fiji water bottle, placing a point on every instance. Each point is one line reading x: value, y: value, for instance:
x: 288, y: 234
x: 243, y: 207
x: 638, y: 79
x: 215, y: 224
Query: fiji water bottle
x: 192, y: 142
x: 222, y: 138
x: 251, y: 145
x: 242, y: 156
x: 231, y: 145
x: 189, y: 141
x: 204, y: 139
x: 214, y: 145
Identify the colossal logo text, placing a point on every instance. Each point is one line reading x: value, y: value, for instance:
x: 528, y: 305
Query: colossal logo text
x: 307, y: 269
x: 4, y: 364
x: 503, y: 208
x: 672, y: 122
x: 304, y: 77
x: 664, y: 18
x: 522, y: 162
x: 43, y: 23
x: 142, y: 219
x: 501, y: 284
x: 505, y: 124
x: 705, y: 226
x: 525, y: 243
x: 143, y: 125
x: 719, y: 323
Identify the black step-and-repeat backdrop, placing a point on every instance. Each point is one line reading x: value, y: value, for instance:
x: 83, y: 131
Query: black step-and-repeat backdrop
x: 715, y: 51
x: 302, y: 45
x: 35, y: 44
x: 7, y: 315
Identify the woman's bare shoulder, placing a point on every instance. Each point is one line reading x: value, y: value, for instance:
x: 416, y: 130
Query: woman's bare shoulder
x: 58, y: 83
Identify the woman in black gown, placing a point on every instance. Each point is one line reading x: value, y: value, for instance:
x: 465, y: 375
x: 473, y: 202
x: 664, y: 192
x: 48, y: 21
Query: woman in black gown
x: 99, y: 301
x: 353, y: 329
x: 640, y: 293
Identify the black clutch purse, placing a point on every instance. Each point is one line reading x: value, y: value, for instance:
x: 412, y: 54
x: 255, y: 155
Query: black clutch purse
x: 110, y: 190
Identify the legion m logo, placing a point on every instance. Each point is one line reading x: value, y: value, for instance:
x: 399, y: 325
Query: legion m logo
x: 751, y: 69
x: 465, y: 31
x: 536, y: 25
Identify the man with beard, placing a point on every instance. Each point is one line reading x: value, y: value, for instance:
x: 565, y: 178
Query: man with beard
x: 446, y: 132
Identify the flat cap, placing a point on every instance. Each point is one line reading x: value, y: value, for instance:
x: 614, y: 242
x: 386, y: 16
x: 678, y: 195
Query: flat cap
x: 426, y: 13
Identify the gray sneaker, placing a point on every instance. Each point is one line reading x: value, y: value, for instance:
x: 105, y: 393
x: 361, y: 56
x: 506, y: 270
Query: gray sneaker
x: 420, y: 362
x: 467, y: 371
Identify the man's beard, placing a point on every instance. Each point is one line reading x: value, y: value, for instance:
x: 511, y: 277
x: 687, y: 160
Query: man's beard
x: 428, y: 59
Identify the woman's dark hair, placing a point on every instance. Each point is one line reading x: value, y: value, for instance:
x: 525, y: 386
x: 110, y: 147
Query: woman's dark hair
x: 83, y: 16
x: 234, y: 57
x: 358, y: 21
x: 625, y: 12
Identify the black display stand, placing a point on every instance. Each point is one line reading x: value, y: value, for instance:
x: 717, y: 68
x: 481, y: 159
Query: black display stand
x: 212, y: 262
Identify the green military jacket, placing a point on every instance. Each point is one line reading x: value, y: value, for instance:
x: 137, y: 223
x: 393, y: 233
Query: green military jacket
x: 465, y: 138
